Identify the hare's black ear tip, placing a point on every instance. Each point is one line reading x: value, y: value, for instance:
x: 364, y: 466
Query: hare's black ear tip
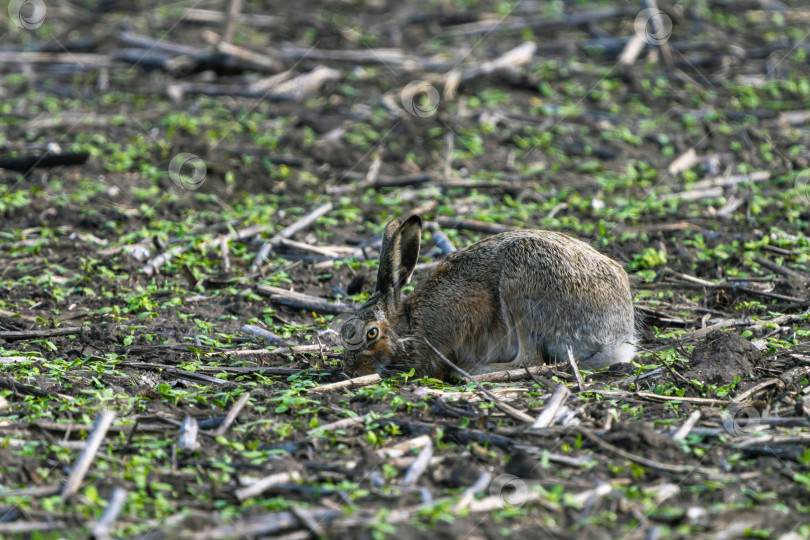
x: 414, y: 220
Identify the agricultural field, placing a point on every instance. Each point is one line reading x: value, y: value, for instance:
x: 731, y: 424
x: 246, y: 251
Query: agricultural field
x: 192, y: 197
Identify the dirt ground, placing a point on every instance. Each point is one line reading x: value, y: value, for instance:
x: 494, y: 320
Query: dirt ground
x: 143, y: 167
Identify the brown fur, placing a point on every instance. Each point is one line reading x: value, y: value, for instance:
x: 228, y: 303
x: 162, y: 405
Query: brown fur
x: 510, y: 299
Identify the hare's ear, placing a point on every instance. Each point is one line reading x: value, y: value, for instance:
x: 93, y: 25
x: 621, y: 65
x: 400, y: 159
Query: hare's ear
x: 400, y: 251
x: 389, y: 231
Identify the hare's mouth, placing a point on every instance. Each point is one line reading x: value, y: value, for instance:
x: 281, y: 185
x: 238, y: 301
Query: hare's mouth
x: 360, y: 365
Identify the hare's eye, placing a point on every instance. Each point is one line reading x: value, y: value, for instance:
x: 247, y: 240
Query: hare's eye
x: 372, y: 333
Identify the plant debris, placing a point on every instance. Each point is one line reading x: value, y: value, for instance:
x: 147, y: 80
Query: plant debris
x: 192, y: 203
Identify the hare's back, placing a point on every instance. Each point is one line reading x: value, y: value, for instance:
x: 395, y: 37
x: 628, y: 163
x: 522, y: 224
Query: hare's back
x: 546, y: 248
x: 538, y: 263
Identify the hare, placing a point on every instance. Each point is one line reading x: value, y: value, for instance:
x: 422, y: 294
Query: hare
x: 515, y: 298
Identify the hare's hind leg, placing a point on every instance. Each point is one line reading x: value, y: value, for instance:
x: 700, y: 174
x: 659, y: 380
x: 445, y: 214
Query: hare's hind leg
x: 545, y: 335
x: 547, y: 327
x: 514, y: 347
x: 523, y: 329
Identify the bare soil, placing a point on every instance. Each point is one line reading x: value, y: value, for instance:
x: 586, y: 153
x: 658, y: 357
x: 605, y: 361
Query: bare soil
x: 568, y: 140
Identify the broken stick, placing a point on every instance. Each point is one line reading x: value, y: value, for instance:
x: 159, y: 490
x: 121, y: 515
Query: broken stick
x: 232, y: 414
x: 288, y: 232
x: 101, y: 530
x: 43, y: 333
x: 91, y: 446
x: 546, y: 418
x: 298, y: 300
x: 152, y: 266
x: 574, y: 367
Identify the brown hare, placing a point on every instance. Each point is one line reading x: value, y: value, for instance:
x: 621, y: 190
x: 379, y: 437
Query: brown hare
x: 514, y: 298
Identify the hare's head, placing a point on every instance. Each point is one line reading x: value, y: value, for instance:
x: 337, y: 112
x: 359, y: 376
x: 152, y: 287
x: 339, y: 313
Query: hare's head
x: 371, y: 338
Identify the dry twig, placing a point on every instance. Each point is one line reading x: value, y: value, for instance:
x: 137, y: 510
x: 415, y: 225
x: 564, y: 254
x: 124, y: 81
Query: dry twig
x: 546, y: 418
x: 289, y: 231
x: 232, y: 414
x: 101, y: 530
x: 260, y: 486
x: 365, y: 380
x: 508, y: 409
x: 419, y: 465
x: 284, y: 297
x: 573, y: 363
x: 82, y: 465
